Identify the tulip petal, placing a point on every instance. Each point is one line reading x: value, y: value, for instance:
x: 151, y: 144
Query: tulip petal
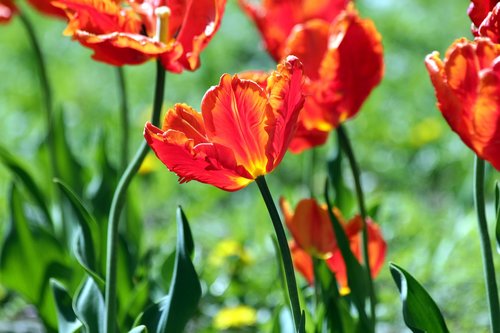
x: 234, y: 113
x: 302, y: 262
x: 7, y: 10
x: 284, y: 87
x: 189, y: 156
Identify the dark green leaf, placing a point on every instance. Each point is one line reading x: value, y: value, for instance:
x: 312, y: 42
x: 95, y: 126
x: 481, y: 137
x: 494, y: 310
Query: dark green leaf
x: 84, y: 245
x: 139, y: 329
x: 25, y: 178
x: 22, y: 268
x: 420, y: 312
x: 89, y: 306
x: 172, y: 313
x: 356, y: 275
x: 344, y: 198
x: 66, y: 318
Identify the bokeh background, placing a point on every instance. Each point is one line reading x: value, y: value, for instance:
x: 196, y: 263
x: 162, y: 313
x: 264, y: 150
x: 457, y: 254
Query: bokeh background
x: 414, y: 169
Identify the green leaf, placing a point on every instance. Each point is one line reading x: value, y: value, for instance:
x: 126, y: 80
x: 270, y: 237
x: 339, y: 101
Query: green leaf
x: 66, y: 318
x: 344, y: 198
x: 356, y: 276
x: 84, y: 245
x: 420, y: 312
x: 89, y: 306
x: 497, y: 208
x: 139, y: 329
x: 16, y: 167
x: 22, y: 267
x: 172, y: 312
x: 68, y: 167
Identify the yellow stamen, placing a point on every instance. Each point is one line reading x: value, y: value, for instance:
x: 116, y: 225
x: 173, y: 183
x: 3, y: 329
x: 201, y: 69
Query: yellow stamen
x: 162, y: 24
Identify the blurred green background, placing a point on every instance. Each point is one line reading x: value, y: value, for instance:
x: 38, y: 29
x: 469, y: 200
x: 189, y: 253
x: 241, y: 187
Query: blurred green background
x: 414, y: 168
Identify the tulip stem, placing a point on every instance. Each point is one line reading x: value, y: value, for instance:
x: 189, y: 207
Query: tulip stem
x: 45, y: 89
x: 122, y: 90
x: 489, y: 268
x: 284, y: 249
x: 346, y: 146
x: 117, y: 205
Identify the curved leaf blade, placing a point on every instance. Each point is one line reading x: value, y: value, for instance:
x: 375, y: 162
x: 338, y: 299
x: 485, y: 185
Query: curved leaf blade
x: 66, y: 317
x: 89, y: 306
x: 173, y: 311
x: 420, y: 312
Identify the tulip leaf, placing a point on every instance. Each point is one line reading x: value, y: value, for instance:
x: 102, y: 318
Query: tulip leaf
x: 66, y: 317
x: 497, y: 208
x: 420, y: 312
x: 173, y: 311
x: 25, y: 178
x: 89, y: 306
x: 356, y: 274
x: 68, y: 167
x: 139, y: 329
x: 22, y: 268
x: 84, y: 245
x: 344, y: 198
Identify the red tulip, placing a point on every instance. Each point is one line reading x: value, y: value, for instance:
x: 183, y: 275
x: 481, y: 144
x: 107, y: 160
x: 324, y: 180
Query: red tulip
x: 485, y: 17
x: 313, y: 235
x: 275, y: 19
x: 132, y: 32
x: 7, y: 10
x: 243, y: 130
x: 467, y: 84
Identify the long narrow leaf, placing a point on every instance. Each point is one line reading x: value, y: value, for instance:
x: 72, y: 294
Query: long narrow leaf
x: 420, y: 312
x: 89, y: 306
x: 172, y: 313
x: 497, y: 208
x: 66, y: 317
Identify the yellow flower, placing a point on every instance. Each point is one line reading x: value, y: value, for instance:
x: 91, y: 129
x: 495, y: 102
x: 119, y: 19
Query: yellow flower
x: 238, y: 316
x: 229, y: 248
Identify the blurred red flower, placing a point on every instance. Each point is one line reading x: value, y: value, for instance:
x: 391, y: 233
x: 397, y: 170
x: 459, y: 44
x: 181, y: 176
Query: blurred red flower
x: 243, y: 130
x: 313, y: 235
x: 467, y: 85
x: 132, y: 32
x: 7, y: 10
x: 343, y: 62
x: 275, y: 19
x: 485, y: 17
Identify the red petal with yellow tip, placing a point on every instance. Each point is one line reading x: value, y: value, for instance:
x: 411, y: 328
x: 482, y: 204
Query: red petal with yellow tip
x: 467, y: 85
x: 234, y: 113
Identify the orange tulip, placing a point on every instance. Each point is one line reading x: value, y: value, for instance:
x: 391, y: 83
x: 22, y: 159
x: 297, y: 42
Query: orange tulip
x: 467, y: 85
x: 47, y: 7
x: 484, y: 15
x: 275, y: 19
x: 243, y: 130
x: 313, y: 235
x: 132, y: 32
x: 7, y: 10
x: 343, y: 62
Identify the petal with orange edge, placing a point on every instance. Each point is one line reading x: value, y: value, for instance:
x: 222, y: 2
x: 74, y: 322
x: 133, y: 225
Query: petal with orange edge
x: 234, y: 113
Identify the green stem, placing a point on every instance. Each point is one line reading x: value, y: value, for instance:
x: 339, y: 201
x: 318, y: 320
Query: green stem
x: 45, y: 88
x: 117, y: 205
x: 346, y: 146
x: 122, y: 90
x: 310, y: 169
x: 489, y: 268
x: 284, y: 249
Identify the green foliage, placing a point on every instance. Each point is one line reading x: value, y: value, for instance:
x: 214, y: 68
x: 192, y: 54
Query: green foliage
x: 174, y: 310
x: 67, y: 320
x: 497, y: 209
x: 420, y: 312
x: 89, y: 306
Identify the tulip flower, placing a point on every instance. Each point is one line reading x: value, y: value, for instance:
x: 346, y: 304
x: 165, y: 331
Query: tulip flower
x: 275, y: 19
x: 343, y: 62
x: 7, y: 10
x: 467, y: 85
x: 242, y: 133
x: 485, y: 18
x: 47, y: 7
x: 132, y: 32
x: 313, y: 235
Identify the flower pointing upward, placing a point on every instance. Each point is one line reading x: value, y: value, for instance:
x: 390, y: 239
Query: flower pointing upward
x: 242, y: 133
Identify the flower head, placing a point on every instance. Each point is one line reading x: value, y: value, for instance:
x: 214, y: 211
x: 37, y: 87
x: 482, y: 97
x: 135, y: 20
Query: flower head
x: 7, y: 10
x: 343, y: 62
x: 243, y: 130
x: 132, y: 32
x: 313, y: 235
x: 275, y: 19
x: 467, y: 85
